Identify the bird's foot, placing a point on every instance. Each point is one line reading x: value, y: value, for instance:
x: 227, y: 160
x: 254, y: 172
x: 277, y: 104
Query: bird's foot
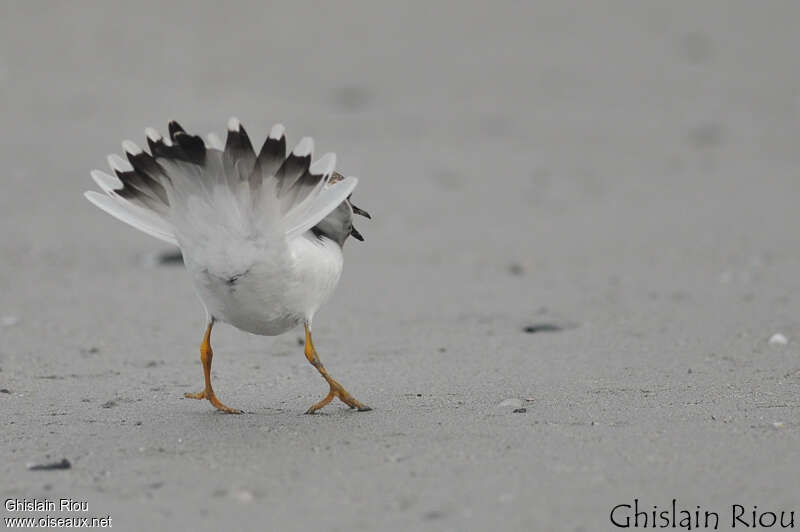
x: 337, y: 390
x: 212, y: 398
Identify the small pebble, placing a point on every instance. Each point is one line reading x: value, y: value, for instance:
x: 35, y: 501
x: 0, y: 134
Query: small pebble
x: 778, y: 339
x: 519, y: 410
x: 510, y: 403
x: 5, y: 390
x: 63, y: 464
x: 542, y: 327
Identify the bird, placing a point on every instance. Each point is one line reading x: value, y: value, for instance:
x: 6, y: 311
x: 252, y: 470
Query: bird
x: 261, y: 234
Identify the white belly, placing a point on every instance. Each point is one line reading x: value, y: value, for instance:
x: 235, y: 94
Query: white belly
x: 276, y: 294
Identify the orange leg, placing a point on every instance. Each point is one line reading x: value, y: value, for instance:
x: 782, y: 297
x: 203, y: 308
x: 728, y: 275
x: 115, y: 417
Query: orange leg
x: 206, y: 355
x: 337, y: 390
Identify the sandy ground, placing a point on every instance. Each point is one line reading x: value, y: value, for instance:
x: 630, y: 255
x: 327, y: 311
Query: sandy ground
x: 628, y: 174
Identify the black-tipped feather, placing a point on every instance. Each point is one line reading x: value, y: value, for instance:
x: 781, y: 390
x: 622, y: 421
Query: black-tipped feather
x: 148, y: 172
x: 143, y: 163
x: 157, y: 147
x: 132, y: 183
x: 174, y: 129
x: 162, y: 150
x: 291, y: 171
x: 142, y: 188
x: 192, y: 146
x: 271, y: 156
x: 301, y: 188
x: 239, y: 149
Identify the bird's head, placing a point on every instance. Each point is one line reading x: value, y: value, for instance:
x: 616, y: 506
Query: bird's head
x: 338, y: 225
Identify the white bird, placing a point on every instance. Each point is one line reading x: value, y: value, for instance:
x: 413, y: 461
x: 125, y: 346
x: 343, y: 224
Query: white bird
x: 261, y: 235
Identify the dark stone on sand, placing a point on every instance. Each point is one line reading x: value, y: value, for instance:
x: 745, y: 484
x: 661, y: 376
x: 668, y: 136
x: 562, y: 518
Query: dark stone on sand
x: 542, y: 327
x: 63, y: 464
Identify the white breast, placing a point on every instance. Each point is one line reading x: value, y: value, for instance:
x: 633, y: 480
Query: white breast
x: 274, y: 294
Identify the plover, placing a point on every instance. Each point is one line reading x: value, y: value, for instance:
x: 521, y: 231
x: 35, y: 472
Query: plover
x: 261, y: 234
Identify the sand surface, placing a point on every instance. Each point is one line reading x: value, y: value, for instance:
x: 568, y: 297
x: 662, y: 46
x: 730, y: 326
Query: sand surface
x: 629, y: 175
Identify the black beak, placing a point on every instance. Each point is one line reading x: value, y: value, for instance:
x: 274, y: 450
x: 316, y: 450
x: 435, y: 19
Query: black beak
x: 360, y: 212
x: 355, y: 234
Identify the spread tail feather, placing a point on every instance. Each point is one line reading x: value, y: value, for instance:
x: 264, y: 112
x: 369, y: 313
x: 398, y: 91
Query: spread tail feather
x: 134, y: 216
x: 187, y: 189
